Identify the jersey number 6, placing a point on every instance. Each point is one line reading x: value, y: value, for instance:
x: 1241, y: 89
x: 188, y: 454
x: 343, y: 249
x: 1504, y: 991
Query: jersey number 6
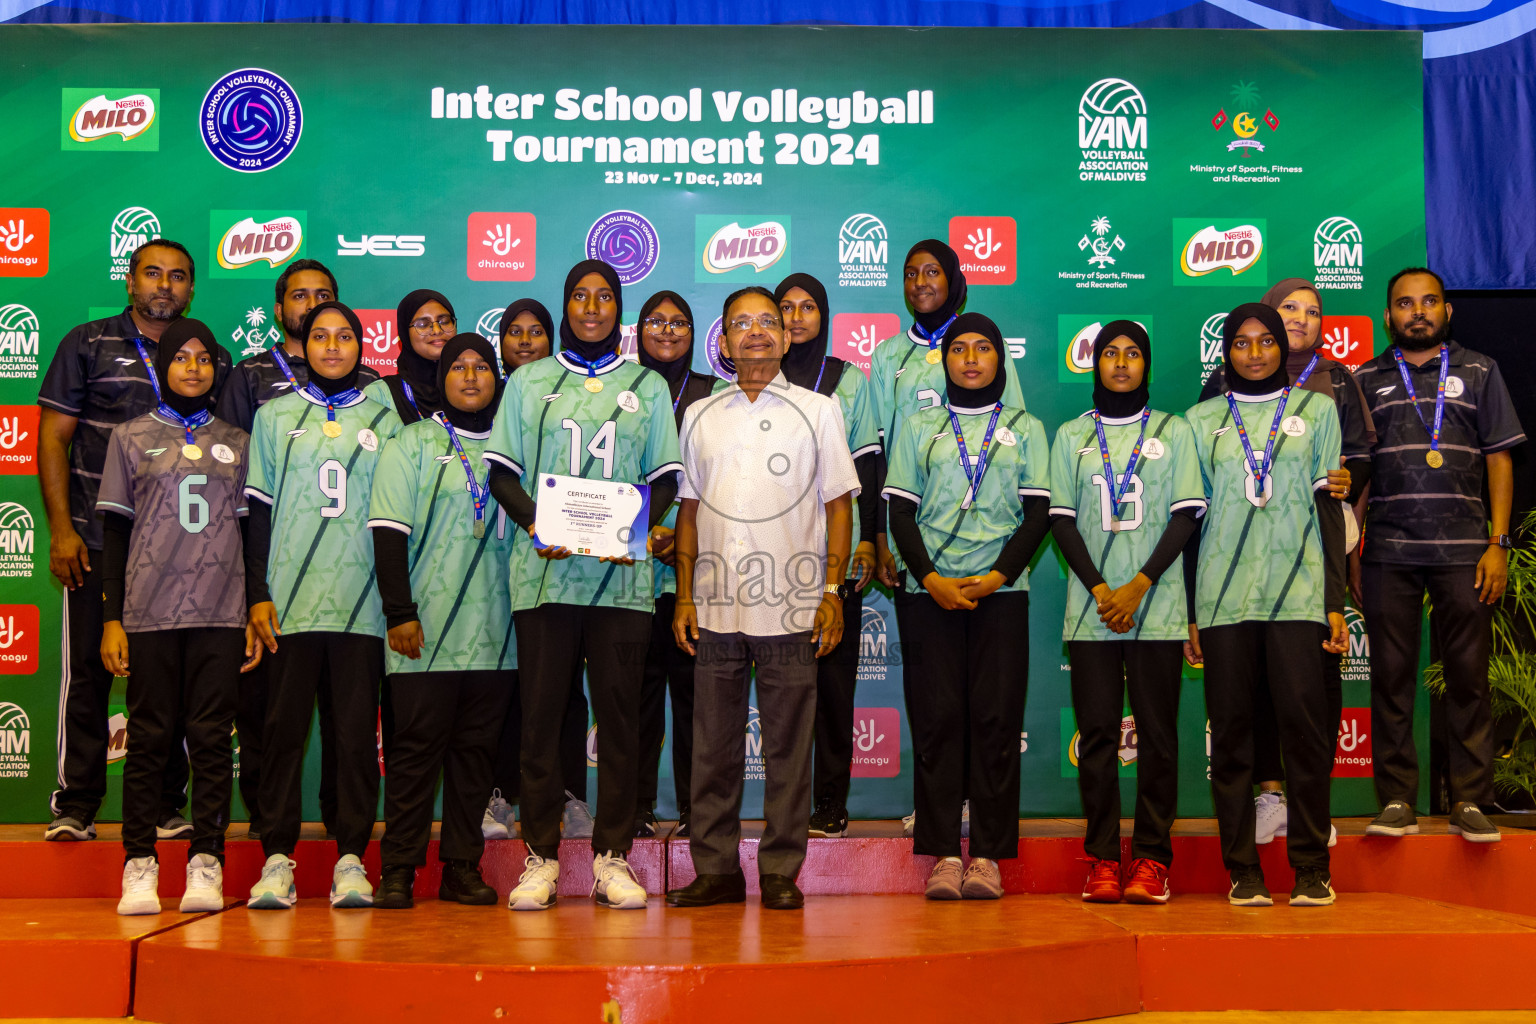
x: 192, y: 508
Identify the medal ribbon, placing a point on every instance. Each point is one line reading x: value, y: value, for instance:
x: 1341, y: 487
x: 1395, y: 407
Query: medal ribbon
x: 330, y: 402
x: 1445, y: 367
x: 934, y: 337
x: 981, y: 459
x: 410, y: 396
x: 1115, y: 495
x: 186, y: 423
x: 282, y: 364
x: 480, y: 495
x: 598, y: 364
x: 1260, y: 474
x: 149, y: 364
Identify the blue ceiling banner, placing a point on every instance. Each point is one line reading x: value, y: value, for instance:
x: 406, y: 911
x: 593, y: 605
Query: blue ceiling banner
x: 1479, y: 73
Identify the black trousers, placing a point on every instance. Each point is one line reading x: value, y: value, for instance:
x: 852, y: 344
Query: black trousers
x: 965, y: 675
x: 446, y: 723
x: 837, y: 676
x: 1463, y: 628
x: 84, y: 690
x: 347, y: 667
x: 180, y: 682
x: 1267, y: 764
x: 1235, y: 656
x: 552, y: 640
x: 667, y: 667
x: 1102, y: 670
x: 507, y: 774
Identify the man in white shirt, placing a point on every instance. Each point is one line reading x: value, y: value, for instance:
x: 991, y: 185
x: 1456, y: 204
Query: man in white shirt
x: 765, y: 521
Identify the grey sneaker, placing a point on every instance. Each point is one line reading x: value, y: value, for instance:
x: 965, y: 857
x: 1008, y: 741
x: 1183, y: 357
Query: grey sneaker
x: 496, y: 822
x: 944, y: 881
x: 576, y: 819
x: 173, y: 826
x: 1269, y: 817
x: 1396, y: 819
x: 982, y: 881
x: 1467, y: 821
x: 66, y: 828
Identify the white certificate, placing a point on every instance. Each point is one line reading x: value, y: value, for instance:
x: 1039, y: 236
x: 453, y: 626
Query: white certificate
x: 600, y: 518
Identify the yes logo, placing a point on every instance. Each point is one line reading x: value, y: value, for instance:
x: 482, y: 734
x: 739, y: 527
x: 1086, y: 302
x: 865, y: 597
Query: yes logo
x: 1349, y: 339
x: 855, y: 335
x: 111, y: 119
x: 502, y: 247
x: 18, y: 639
x: 381, y: 345
x: 254, y: 244
x: 18, y: 439
x: 23, y: 241
x: 988, y: 248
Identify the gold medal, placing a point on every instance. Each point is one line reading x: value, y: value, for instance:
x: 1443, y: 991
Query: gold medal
x: 1434, y: 458
x: 593, y: 385
x: 331, y: 429
x: 479, y: 529
x: 1114, y: 524
x: 934, y: 355
x: 192, y: 451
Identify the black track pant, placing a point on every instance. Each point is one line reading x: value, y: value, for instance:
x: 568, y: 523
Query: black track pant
x: 667, y: 667
x: 446, y: 723
x: 552, y: 640
x: 180, y: 682
x: 1267, y: 764
x: 837, y: 675
x: 1102, y: 671
x: 965, y: 675
x: 1463, y: 630
x: 1235, y: 658
x: 83, y: 692
x: 348, y: 667
x: 508, y: 776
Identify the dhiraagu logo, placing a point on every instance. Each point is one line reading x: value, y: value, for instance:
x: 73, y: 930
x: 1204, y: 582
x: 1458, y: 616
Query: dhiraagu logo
x: 111, y: 119
x: 741, y: 248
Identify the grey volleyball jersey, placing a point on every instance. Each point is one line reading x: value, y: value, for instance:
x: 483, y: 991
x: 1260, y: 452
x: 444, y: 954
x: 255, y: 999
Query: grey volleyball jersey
x: 186, y: 563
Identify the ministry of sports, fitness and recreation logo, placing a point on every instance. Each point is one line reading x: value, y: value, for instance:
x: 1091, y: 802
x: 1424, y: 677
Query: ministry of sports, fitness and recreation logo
x: 253, y: 244
x: 255, y: 335
x: 1338, y: 255
x: 1103, y: 249
x: 251, y: 120
x: 863, y: 252
x: 1211, y: 355
x: 625, y: 241
x: 740, y: 249
x: 23, y: 241
x: 19, y: 331
x: 1112, y: 132
x: 111, y: 119
x: 18, y: 639
x: 1213, y: 253
x: 18, y: 541
x: 1071, y: 753
x: 18, y: 439
x: 1077, y: 332
x: 15, y: 742
x: 131, y: 228
x: 1244, y: 124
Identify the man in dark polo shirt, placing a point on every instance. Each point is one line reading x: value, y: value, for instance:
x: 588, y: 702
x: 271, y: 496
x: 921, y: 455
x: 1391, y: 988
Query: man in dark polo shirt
x: 257, y: 380
x: 98, y: 379
x: 1443, y: 417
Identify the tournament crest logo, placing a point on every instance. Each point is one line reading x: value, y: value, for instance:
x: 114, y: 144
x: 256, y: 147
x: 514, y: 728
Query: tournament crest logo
x: 251, y: 120
x: 1112, y: 132
x: 1338, y: 255
x: 712, y: 351
x: 625, y: 241
x: 254, y: 244
x: 1210, y: 247
x: 1245, y: 98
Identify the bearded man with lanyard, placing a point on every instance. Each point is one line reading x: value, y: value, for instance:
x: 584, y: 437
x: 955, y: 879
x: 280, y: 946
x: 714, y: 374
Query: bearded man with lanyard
x: 309, y: 576
x: 425, y: 321
x: 1268, y: 596
x: 586, y: 412
x: 1444, y: 418
x: 1126, y: 496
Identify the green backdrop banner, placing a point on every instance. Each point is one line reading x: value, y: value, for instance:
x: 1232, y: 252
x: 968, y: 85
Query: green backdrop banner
x: 1082, y: 175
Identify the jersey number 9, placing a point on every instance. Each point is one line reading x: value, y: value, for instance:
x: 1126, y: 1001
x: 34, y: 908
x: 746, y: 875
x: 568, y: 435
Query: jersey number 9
x: 333, y: 484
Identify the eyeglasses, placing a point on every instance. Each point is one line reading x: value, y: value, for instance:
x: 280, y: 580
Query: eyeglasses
x: 425, y: 324
x: 741, y: 325
x: 659, y: 325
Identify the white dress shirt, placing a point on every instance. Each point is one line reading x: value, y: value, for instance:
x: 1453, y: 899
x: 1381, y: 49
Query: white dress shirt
x: 762, y: 473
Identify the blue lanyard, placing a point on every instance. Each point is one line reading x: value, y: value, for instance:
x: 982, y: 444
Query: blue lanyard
x: 982, y: 460
x: 1445, y: 368
x: 282, y: 364
x: 934, y: 337
x: 687, y: 376
x: 410, y: 396
x: 154, y: 378
x: 594, y: 366
x: 1115, y: 496
x: 186, y: 423
x: 1308, y: 371
x: 1260, y: 474
x: 479, y: 494
x: 820, y: 374
x: 342, y: 398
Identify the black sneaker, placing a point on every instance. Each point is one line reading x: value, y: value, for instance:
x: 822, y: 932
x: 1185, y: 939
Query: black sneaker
x: 683, y: 830
x: 829, y: 821
x: 68, y: 828
x: 1313, y: 889
x: 462, y: 884
x: 1249, y: 890
x: 173, y: 826
x: 1467, y: 821
x: 1396, y: 819
x: 645, y: 825
x: 395, y: 888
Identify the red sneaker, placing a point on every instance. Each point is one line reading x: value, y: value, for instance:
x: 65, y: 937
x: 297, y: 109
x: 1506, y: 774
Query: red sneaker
x: 1148, y: 883
x: 1103, y: 884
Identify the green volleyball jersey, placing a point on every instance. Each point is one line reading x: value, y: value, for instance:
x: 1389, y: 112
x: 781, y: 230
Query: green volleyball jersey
x: 458, y: 580
x: 902, y: 381
x: 1167, y: 478
x: 551, y: 423
x: 925, y: 468
x: 1261, y: 558
x: 320, y: 568
x: 856, y: 399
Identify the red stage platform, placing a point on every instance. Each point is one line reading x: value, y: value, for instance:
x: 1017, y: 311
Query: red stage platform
x: 1038, y: 955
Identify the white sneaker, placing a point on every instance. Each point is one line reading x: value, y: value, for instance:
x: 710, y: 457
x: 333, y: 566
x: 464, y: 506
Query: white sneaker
x: 1270, y: 817
x: 493, y: 823
x: 274, y: 889
x: 909, y: 824
x: 614, y: 883
x: 141, y: 884
x: 536, y: 889
x: 576, y: 819
x: 349, y: 884
x: 1333, y: 836
x: 205, y: 886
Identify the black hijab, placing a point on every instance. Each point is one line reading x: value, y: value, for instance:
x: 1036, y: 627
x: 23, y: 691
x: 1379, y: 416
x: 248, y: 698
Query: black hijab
x: 474, y: 422
x: 325, y: 385
x: 975, y: 398
x: 178, y: 333
x: 414, y: 369
x: 804, y: 361
x: 930, y: 322
x: 676, y: 371
x: 1270, y: 318
x: 1114, y: 404
x: 590, y: 351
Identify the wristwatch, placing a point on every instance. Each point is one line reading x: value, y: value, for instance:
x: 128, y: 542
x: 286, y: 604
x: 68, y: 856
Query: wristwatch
x: 1503, y: 540
x: 840, y: 590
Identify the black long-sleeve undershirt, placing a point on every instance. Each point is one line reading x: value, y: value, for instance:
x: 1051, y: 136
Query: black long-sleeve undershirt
x: 391, y: 564
x: 868, y: 468
x: 117, y: 530
x: 1181, y: 524
x: 258, y: 549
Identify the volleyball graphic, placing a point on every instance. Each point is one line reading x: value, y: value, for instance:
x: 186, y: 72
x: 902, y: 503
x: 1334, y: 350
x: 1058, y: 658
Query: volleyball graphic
x: 1337, y: 230
x: 251, y: 120
x: 13, y: 718
x: 625, y: 241
x: 16, y: 317
x: 14, y: 516
x: 1109, y: 97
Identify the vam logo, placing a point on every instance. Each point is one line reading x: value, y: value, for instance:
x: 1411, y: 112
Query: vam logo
x: 255, y: 244
x: 131, y: 228
x: 1211, y: 355
x: 1238, y: 249
x: 23, y: 241
x: 756, y: 766
x: 1349, y: 339
x: 753, y: 247
x: 855, y: 335
x: 1338, y: 255
x: 18, y: 639
x: 489, y: 325
x: 381, y: 345
x: 15, y: 742
x: 1112, y: 132
x: 863, y: 252
x: 18, y: 439
x: 17, y: 541
x: 111, y: 119
x: 18, y: 342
